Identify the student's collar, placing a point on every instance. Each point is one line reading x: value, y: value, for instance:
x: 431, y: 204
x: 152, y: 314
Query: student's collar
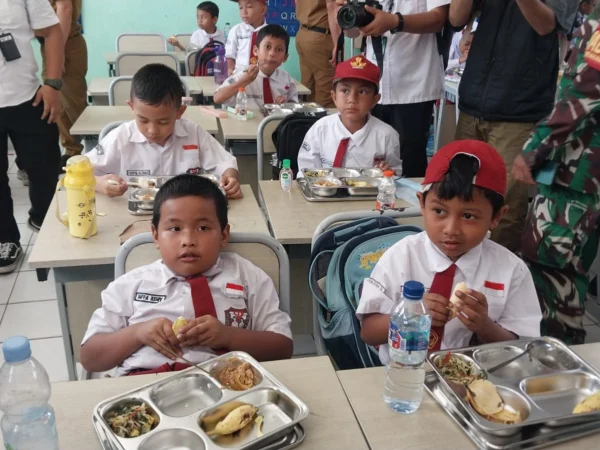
x: 359, y: 137
x: 138, y: 138
x: 171, y: 276
x: 438, y: 261
x: 261, y: 74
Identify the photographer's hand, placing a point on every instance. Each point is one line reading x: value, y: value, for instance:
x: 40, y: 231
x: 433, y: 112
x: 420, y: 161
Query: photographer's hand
x: 382, y: 22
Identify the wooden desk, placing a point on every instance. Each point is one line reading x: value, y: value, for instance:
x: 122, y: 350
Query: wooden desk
x: 83, y: 268
x: 293, y: 220
x: 331, y: 424
x: 95, y: 118
x: 98, y: 88
x: 209, y: 87
x: 428, y: 428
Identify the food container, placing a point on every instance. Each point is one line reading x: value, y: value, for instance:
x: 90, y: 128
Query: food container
x: 345, y: 172
x: 144, y: 198
x: 362, y: 186
x: 317, y: 186
x: 186, y: 402
x: 310, y: 109
x: 317, y: 173
x: 372, y: 173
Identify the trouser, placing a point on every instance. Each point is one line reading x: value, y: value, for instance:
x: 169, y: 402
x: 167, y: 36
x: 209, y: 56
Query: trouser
x: 36, y: 146
x: 315, y: 50
x: 560, y: 243
x: 412, y: 121
x: 508, y: 138
x: 74, y: 92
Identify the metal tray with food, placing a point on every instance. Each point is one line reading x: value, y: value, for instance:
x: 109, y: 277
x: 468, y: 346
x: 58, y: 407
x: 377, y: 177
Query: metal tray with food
x: 343, y: 172
x: 341, y: 195
x: 550, y: 385
x: 308, y: 108
x: 529, y: 437
x: 233, y: 402
x: 362, y: 186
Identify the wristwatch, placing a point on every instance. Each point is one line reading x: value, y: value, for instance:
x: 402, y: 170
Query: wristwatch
x: 55, y: 84
x: 400, y: 26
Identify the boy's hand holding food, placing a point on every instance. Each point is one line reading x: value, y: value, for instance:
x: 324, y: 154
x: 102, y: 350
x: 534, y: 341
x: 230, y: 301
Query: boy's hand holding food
x: 206, y: 331
x: 232, y: 187
x: 158, y: 334
x: 472, y: 310
x: 111, y: 185
x: 250, y: 75
x: 438, y: 307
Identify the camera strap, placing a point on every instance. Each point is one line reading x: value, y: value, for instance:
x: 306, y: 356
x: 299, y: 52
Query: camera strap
x: 378, y: 43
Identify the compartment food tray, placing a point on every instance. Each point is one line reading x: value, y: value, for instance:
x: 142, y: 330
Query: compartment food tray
x: 179, y: 402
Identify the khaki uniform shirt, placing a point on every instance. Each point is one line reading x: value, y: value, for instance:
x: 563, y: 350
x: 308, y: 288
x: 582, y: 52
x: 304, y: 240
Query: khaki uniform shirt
x: 75, y: 27
x: 312, y: 13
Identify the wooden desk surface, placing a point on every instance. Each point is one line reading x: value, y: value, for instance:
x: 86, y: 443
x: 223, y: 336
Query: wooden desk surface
x: 209, y: 86
x: 98, y: 87
x: 294, y: 220
x: 331, y: 424
x: 429, y: 427
x: 111, y: 57
x: 55, y: 247
x: 95, y: 118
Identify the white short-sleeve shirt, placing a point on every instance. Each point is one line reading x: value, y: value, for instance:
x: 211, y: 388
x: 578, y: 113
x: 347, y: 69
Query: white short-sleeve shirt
x: 127, y: 153
x: 18, y: 78
x: 488, y: 268
x: 281, y: 83
x: 239, y: 44
x: 412, y: 67
x: 200, y: 38
x: 373, y: 143
x: 243, y: 294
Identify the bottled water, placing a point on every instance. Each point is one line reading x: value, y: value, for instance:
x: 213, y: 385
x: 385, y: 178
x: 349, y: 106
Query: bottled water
x: 29, y: 422
x: 410, y: 323
x: 386, y: 198
x: 226, y: 30
x: 241, y: 105
x: 286, y: 176
x: 220, y: 66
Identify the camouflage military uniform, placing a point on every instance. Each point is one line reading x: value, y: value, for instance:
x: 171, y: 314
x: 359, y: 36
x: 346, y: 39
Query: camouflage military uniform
x: 562, y: 234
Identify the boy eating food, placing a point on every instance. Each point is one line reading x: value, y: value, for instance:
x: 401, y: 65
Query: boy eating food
x: 462, y: 198
x: 352, y: 137
x: 265, y: 82
x: 228, y: 303
x: 159, y: 141
x: 207, y: 16
x: 243, y: 37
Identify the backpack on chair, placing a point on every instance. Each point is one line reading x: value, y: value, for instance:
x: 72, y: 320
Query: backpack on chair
x: 205, y: 57
x: 341, y: 259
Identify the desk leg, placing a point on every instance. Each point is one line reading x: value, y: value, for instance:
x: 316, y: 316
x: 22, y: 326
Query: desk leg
x: 66, y: 330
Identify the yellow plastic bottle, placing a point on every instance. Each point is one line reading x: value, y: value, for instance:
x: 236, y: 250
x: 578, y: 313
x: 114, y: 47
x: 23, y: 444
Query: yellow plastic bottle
x: 80, y: 184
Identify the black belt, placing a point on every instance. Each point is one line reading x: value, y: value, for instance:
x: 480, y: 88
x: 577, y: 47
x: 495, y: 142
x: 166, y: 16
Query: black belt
x: 316, y: 29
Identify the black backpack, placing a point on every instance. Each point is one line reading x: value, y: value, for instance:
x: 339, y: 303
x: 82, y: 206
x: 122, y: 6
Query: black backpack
x: 204, y: 56
x: 288, y: 138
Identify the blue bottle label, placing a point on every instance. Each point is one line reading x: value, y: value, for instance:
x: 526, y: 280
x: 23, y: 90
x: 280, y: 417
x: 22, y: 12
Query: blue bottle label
x: 409, y: 341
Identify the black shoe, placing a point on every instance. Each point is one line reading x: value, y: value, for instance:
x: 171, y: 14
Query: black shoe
x: 34, y: 225
x: 10, y: 255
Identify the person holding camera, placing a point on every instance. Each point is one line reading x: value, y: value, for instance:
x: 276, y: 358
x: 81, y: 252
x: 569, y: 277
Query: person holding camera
x: 412, y: 74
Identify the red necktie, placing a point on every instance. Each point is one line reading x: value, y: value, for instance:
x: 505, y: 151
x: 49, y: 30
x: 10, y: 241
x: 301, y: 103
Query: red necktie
x: 267, y: 93
x: 202, y: 300
x: 341, y: 152
x: 442, y: 285
x: 252, y: 59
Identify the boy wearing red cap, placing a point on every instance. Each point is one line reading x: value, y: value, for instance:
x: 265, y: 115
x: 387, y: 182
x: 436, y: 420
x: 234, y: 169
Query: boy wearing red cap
x: 352, y: 138
x: 462, y: 198
x: 242, y: 37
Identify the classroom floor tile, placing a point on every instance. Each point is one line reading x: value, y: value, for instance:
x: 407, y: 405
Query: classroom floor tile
x: 26, y: 233
x: 25, y: 267
x: 21, y: 213
x: 29, y: 289
x: 14, y: 182
x: 7, y: 282
x: 51, y: 354
x: 589, y: 319
x: 20, y: 196
x: 36, y: 320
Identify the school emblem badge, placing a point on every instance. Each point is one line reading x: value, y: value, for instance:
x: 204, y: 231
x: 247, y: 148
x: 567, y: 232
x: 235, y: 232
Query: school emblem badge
x: 433, y: 339
x: 237, y: 317
x: 358, y: 63
x: 592, y: 51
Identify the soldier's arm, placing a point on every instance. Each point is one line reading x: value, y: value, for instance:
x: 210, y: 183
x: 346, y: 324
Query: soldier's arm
x: 541, y: 17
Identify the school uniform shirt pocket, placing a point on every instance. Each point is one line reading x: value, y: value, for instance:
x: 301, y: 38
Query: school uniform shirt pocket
x: 495, y: 294
x: 235, y: 305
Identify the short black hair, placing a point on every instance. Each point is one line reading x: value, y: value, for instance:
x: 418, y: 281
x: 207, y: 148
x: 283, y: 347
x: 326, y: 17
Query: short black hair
x: 210, y: 8
x: 458, y: 182
x: 157, y: 84
x: 276, y: 31
x: 191, y: 185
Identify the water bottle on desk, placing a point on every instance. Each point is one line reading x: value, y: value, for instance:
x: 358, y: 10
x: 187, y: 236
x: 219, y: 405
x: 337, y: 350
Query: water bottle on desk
x: 241, y: 105
x: 386, y: 198
x: 29, y: 421
x: 220, y: 66
x: 408, y: 341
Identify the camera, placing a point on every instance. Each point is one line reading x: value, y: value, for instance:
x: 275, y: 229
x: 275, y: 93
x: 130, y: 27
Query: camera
x: 354, y: 14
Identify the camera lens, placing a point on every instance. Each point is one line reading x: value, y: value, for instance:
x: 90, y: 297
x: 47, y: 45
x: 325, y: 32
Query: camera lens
x: 347, y: 17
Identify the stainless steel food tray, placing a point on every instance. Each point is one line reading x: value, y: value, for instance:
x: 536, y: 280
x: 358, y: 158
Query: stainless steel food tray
x: 309, y: 109
x: 181, y: 400
x: 544, y: 390
x: 529, y: 437
x: 339, y: 197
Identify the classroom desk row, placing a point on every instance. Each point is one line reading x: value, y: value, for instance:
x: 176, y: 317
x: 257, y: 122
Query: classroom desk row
x: 347, y: 410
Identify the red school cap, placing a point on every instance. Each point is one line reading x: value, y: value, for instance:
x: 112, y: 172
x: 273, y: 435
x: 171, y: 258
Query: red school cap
x: 490, y: 175
x: 359, y: 68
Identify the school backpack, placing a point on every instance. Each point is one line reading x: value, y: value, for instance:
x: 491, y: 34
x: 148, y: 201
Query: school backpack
x: 288, y: 138
x: 205, y: 58
x: 341, y: 259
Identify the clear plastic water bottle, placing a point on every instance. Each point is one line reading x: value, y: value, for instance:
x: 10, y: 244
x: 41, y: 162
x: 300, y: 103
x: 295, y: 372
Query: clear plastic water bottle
x: 220, y: 66
x: 286, y: 176
x: 29, y: 421
x: 226, y: 30
x: 386, y: 198
x: 410, y: 323
x: 241, y: 105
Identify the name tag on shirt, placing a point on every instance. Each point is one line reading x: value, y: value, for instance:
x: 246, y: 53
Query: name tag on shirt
x: 149, y: 298
x: 138, y: 173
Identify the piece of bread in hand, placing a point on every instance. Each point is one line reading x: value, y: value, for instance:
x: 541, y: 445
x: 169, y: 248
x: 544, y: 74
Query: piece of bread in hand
x: 454, y: 300
x: 178, y: 325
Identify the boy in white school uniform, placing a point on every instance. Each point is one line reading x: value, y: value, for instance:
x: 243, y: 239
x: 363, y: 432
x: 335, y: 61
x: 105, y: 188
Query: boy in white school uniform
x: 265, y: 81
x: 228, y: 302
x: 242, y: 37
x: 207, y: 15
x: 461, y: 43
x: 159, y: 141
x: 462, y: 199
x: 352, y: 137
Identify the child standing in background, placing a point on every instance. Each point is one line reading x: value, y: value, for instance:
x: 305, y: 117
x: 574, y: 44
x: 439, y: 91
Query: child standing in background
x: 243, y: 37
x: 461, y: 43
x: 207, y: 15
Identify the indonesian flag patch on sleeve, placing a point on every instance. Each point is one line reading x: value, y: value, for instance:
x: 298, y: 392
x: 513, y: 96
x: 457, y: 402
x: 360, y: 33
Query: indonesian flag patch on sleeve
x: 592, y: 51
x: 235, y: 290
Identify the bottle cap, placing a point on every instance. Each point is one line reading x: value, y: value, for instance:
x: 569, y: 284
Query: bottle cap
x: 388, y: 173
x: 413, y: 290
x: 286, y: 164
x: 242, y: 89
x: 16, y: 348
